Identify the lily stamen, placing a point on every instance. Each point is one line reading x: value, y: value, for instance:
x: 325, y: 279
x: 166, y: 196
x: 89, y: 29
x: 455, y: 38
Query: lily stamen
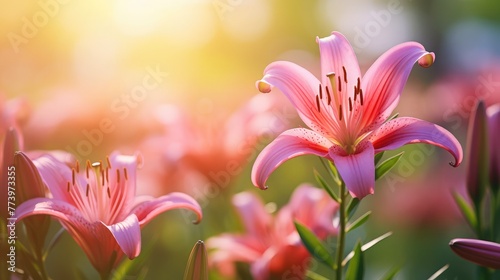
x: 345, y: 74
x: 317, y: 104
x: 125, y: 173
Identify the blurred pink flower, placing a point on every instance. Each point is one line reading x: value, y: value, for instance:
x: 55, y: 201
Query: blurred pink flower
x: 270, y: 245
x: 13, y: 112
x: 98, y: 206
x: 209, y: 145
x: 348, y: 116
x: 455, y: 94
x: 481, y: 252
x: 423, y: 200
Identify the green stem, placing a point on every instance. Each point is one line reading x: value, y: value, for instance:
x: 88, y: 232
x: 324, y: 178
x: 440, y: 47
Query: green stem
x: 342, y: 228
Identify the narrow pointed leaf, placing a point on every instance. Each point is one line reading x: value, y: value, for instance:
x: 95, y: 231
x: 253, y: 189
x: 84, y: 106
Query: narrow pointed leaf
x: 314, y: 245
x: 393, y: 117
x: 466, y: 209
x: 378, y: 157
x: 325, y: 186
x: 315, y: 276
x: 387, y: 165
x: 332, y: 170
x: 335, y: 174
x: 360, y: 221
x: 197, y: 266
x: 356, y: 269
x: 439, y: 272
x: 391, y: 273
x: 366, y: 246
x: 352, y: 206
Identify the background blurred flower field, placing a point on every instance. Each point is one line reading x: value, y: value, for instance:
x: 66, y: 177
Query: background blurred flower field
x: 175, y: 80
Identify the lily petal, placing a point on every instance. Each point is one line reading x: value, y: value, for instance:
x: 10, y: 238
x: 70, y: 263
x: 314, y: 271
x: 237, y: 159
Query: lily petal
x: 401, y: 131
x: 336, y: 52
x: 95, y: 242
x: 287, y: 145
x: 385, y: 79
x: 357, y: 170
x: 127, y: 234
x: 301, y: 88
x: 256, y: 219
x: 148, y: 209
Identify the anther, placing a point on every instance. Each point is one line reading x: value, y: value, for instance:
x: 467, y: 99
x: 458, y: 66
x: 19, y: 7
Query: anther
x: 350, y: 105
x: 77, y: 166
x: 317, y: 103
x: 361, y: 96
x: 340, y: 84
x: 87, y: 191
x: 118, y: 176
x: 109, y: 193
x: 340, y: 112
x: 108, y: 162
x: 73, y: 177
x: 355, y: 93
x: 68, y: 186
x: 320, y: 92
x: 345, y: 74
x: 88, y: 168
x: 359, y: 81
x: 102, y: 177
x: 328, y: 95
x: 125, y: 173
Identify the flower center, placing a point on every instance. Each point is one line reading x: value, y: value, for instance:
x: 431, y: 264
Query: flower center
x: 345, y: 110
x: 94, y: 192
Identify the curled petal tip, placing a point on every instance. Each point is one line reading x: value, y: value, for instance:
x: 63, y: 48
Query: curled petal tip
x: 427, y: 60
x: 263, y: 86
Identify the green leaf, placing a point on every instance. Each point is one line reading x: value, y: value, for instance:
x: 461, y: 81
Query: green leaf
x: 393, y: 117
x: 466, y: 210
x: 313, y: 245
x: 314, y: 276
x: 197, y: 266
x: 352, y: 206
x: 325, y: 186
x: 366, y: 246
x: 378, y: 157
x: 391, y: 273
x: 332, y: 170
x: 361, y: 220
x: 356, y: 269
x: 387, y: 165
x: 439, y: 272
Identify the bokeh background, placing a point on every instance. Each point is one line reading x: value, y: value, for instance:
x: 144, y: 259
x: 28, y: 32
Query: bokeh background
x: 170, y: 79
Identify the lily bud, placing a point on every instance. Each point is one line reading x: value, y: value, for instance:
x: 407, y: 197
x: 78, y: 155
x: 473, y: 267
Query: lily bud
x: 196, y: 268
x: 483, y: 253
x: 477, y: 153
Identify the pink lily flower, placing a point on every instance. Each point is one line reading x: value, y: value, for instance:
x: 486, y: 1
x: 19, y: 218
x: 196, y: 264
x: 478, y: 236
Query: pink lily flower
x: 271, y: 245
x: 348, y: 114
x: 481, y: 252
x: 98, y: 207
